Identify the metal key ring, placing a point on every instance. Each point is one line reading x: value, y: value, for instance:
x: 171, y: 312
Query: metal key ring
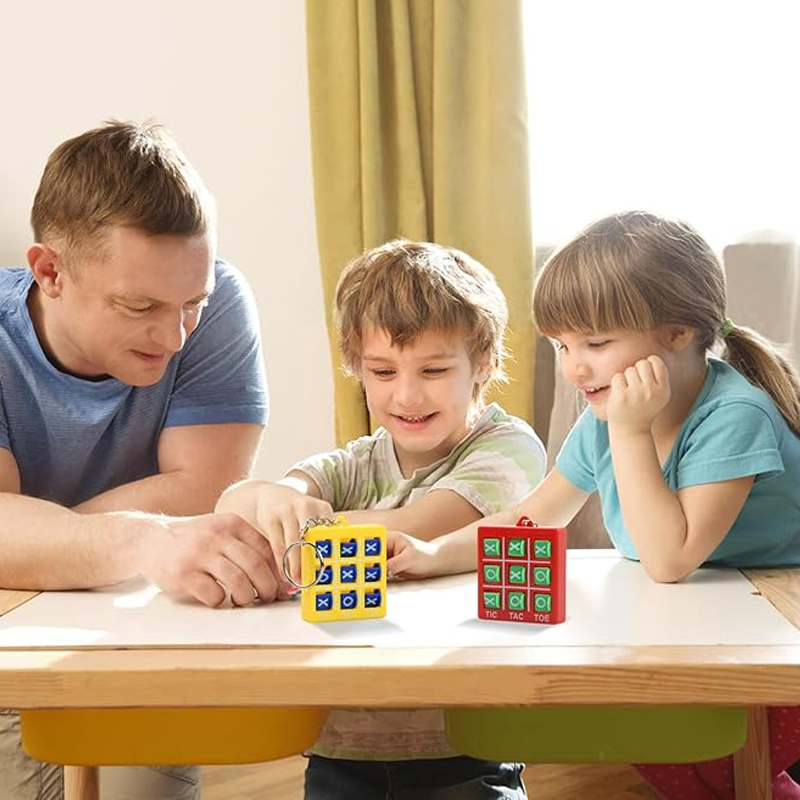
x: 312, y: 522
x: 320, y: 562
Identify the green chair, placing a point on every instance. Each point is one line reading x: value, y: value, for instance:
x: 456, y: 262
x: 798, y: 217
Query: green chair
x: 597, y: 734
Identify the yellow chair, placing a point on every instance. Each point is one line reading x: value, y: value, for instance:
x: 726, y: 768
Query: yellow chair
x: 143, y: 736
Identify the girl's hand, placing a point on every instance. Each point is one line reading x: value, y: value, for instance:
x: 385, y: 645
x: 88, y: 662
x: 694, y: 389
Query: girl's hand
x: 638, y: 395
x: 410, y: 557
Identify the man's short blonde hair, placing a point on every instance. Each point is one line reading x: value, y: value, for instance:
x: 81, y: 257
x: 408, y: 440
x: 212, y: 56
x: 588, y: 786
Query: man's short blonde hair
x: 407, y: 288
x: 123, y: 173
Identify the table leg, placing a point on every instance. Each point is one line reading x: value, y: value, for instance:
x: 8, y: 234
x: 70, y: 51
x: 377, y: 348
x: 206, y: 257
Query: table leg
x: 751, y: 763
x: 81, y: 783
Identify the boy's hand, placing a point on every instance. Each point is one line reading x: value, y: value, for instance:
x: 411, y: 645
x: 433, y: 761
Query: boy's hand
x: 281, y: 513
x: 410, y: 557
x: 638, y: 395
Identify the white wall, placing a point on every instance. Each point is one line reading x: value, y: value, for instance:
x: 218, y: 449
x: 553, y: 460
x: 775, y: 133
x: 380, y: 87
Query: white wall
x: 229, y: 80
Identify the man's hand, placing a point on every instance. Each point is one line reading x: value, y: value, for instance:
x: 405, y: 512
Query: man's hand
x: 211, y: 558
x: 638, y: 395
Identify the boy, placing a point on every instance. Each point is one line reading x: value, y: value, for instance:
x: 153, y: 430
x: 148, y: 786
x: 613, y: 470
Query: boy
x: 422, y: 327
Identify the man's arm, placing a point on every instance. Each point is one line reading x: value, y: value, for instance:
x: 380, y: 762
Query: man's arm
x: 196, y: 464
x: 44, y: 546
x: 9, y: 473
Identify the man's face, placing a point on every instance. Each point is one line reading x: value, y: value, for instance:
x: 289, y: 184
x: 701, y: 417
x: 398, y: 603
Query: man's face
x: 126, y: 311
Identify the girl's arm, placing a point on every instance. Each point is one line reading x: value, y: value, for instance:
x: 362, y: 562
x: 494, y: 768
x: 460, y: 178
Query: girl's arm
x: 554, y: 502
x: 674, y: 533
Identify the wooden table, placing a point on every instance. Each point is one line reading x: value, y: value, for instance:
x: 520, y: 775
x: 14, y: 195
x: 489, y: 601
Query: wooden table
x: 753, y: 676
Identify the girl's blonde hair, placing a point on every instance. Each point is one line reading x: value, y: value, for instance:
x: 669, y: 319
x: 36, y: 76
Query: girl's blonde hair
x: 637, y: 271
x: 407, y: 288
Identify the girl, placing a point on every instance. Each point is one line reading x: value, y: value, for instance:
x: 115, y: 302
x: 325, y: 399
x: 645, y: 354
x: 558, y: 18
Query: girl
x: 690, y: 454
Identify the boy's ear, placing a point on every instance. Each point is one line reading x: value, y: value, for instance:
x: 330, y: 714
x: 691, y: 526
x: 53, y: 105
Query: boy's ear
x: 45, y: 264
x: 484, y: 369
x: 679, y: 337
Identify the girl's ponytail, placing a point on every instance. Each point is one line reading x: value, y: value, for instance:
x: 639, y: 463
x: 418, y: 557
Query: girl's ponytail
x: 764, y: 366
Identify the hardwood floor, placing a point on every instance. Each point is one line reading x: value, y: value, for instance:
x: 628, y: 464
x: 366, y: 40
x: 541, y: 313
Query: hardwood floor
x: 283, y: 780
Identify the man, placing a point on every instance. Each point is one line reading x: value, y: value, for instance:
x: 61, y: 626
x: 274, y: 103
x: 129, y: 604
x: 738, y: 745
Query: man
x: 132, y: 392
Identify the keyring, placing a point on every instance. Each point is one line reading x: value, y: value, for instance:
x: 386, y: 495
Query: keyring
x: 309, y: 523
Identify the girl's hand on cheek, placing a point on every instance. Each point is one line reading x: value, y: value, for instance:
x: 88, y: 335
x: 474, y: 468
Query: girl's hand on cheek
x: 638, y: 395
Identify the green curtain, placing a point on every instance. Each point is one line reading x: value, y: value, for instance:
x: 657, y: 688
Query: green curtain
x: 419, y: 129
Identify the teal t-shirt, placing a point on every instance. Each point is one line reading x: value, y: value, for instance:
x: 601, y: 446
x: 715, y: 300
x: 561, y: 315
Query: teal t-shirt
x: 733, y: 430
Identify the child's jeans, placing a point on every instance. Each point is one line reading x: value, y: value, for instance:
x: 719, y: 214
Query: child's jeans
x: 713, y: 780
x: 458, y: 778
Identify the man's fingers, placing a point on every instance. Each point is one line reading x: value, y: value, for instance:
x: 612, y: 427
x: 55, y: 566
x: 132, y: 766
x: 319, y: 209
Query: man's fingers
x: 243, y: 568
x: 277, y: 588
x: 205, y: 589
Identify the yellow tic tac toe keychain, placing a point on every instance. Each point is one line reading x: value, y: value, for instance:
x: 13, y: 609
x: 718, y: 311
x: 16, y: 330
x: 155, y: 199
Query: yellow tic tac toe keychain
x: 343, y: 570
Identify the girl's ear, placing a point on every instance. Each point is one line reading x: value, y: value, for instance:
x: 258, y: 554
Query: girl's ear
x: 678, y: 337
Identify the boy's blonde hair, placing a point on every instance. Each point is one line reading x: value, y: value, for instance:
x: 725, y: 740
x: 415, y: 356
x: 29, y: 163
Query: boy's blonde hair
x: 407, y: 288
x: 637, y: 271
x: 123, y: 173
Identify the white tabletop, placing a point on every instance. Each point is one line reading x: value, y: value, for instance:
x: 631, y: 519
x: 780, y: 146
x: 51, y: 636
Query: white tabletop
x: 610, y: 601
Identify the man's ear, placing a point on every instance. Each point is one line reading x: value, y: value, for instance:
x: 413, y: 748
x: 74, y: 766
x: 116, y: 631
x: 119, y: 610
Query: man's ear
x: 45, y: 264
x: 679, y: 337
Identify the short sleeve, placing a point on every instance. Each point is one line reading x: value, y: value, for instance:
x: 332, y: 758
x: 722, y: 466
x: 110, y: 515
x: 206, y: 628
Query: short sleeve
x: 343, y: 475
x: 221, y: 376
x: 576, y: 460
x: 498, y: 469
x: 735, y: 441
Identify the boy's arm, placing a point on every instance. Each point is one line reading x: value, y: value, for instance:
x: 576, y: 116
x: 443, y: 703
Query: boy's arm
x: 196, y: 463
x: 553, y: 503
x: 278, y: 510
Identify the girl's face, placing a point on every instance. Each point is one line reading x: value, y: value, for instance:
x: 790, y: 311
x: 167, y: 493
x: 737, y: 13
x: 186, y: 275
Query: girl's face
x: 589, y: 361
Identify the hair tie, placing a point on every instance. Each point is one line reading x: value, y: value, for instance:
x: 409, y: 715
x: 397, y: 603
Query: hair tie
x: 726, y: 328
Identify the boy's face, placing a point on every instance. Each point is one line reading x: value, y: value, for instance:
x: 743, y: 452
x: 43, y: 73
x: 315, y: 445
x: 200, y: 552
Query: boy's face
x: 421, y: 393
x: 125, y: 310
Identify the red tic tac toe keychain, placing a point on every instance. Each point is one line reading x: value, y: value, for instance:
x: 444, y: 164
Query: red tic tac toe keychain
x: 522, y: 573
